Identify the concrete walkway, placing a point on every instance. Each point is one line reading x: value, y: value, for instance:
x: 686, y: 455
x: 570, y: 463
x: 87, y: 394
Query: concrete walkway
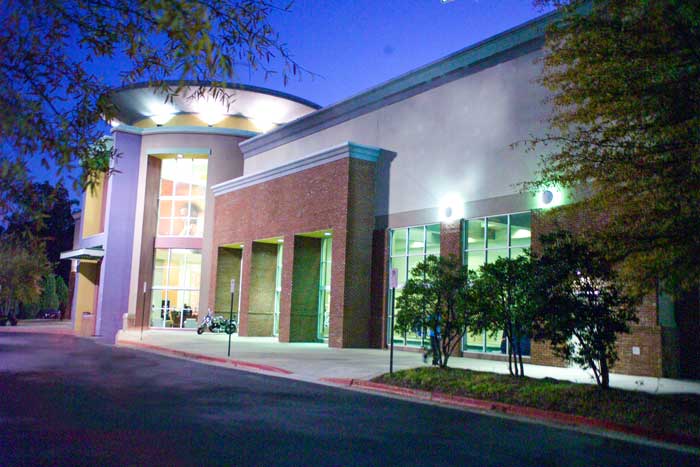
x: 315, y: 362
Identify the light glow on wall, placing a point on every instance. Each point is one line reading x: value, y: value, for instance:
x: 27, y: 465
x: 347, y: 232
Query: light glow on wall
x: 161, y: 119
x: 160, y: 112
x: 210, y: 111
x: 264, y: 114
x: 451, y: 208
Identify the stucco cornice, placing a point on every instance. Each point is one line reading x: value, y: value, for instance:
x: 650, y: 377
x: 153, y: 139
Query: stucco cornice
x: 342, y: 151
x: 162, y: 130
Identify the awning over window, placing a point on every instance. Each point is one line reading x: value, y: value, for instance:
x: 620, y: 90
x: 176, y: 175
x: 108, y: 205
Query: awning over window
x: 84, y: 253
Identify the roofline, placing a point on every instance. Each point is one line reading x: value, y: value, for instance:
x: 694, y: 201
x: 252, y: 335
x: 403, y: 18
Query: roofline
x: 365, y: 102
x: 227, y: 85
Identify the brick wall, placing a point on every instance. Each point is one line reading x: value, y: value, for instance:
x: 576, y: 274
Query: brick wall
x: 337, y: 196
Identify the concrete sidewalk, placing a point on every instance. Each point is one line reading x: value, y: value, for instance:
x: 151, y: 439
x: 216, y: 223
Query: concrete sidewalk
x: 316, y: 362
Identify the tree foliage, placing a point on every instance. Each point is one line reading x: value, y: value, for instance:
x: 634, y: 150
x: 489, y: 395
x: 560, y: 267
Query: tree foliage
x: 49, y: 297
x: 62, y: 293
x: 61, y: 58
x: 21, y: 273
x: 505, y: 300
x: 42, y: 212
x: 625, y: 83
x: 582, y: 308
x: 437, y: 297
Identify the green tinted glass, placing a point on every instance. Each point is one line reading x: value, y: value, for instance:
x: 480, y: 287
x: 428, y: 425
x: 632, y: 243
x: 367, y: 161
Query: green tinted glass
x: 475, y: 259
x: 416, y: 241
x: 400, y: 264
x: 475, y: 341
x: 432, y: 235
x: 520, y: 230
x: 412, y: 262
x: 398, y: 242
x: 493, y: 255
x: 497, y: 232
x: 475, y: 233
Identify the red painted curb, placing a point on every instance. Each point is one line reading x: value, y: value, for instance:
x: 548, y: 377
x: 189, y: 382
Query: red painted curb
x: 338, y: 381
x: 392, y: 389
x: 206, y: 358
x: 530, y: 412
x: 259, y: 366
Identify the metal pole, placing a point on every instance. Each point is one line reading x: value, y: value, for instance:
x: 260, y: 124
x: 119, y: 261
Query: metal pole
x: 143, y: 309
x: 230, y: 316
x: 391, y: 334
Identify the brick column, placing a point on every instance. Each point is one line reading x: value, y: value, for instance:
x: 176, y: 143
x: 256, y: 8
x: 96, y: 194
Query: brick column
x: 451, y: 245
x: 451, y: 239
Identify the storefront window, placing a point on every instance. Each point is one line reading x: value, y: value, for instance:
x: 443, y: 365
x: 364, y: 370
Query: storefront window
x: 183, y: 185
x: 486, y: 240
x: 175, y: 293
x: 409, y: 247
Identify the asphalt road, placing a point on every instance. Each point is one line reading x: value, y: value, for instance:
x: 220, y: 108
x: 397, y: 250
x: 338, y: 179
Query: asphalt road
x: 69, y: 401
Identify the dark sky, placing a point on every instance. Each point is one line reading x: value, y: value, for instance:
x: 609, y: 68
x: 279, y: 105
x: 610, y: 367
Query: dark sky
x: 353, y: 45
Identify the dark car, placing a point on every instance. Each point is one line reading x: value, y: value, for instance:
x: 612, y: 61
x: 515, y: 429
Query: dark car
x: 7, y: 319
x: 49, y: 314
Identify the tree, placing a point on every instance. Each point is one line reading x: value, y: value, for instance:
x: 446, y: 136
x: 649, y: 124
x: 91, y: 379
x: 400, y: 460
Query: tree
x: 21, y: 272
x: 582, y: 308
x: 63, y: 295
x: 60, y: 60
x: 437, y: 297
x: 49, y: 298
x: 625, y: 130
x: 43, y: 212
x: 505, y: 300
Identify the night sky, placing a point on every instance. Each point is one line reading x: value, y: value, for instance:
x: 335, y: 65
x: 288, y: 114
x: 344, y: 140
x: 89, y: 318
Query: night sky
x: 356, y: 44
x: 353, y: 45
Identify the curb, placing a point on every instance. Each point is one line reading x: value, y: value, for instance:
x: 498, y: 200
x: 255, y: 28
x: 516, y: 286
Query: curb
x: 529, y: 412
x: 206, y: 358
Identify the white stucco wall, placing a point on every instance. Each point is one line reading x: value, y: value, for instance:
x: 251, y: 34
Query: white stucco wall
x: 453, y: 138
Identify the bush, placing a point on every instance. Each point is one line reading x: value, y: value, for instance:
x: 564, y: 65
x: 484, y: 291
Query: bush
x: 582, y: 307
x: 505, y: 299
x: 437, y: 297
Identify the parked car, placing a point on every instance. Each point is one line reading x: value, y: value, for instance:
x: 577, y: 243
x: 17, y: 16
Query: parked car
x: 7, y: 319
x: 49, y: 314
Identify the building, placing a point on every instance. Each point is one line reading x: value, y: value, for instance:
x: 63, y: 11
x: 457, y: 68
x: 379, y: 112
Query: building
x: 307, y: 209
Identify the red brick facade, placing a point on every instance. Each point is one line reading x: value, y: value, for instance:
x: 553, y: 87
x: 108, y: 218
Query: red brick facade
x: 337, y: 196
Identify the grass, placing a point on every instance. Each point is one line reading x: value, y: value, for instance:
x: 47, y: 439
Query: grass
x: 671, y: 413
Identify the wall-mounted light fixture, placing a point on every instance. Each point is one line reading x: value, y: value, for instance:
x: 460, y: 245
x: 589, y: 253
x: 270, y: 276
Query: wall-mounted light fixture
x: 550, y: 197
x: 451, y: 208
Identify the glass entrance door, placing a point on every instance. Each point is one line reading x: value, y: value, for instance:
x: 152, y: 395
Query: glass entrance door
x: 324, y: 288
x: 278, y: 290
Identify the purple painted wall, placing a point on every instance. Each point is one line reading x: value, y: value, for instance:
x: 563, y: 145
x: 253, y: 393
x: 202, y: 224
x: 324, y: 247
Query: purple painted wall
x: 119, y: 236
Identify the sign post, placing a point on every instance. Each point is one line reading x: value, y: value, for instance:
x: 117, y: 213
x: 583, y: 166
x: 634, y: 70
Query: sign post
x: 143, y: 308
x: 393, y: 283
x: 229, y: 325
